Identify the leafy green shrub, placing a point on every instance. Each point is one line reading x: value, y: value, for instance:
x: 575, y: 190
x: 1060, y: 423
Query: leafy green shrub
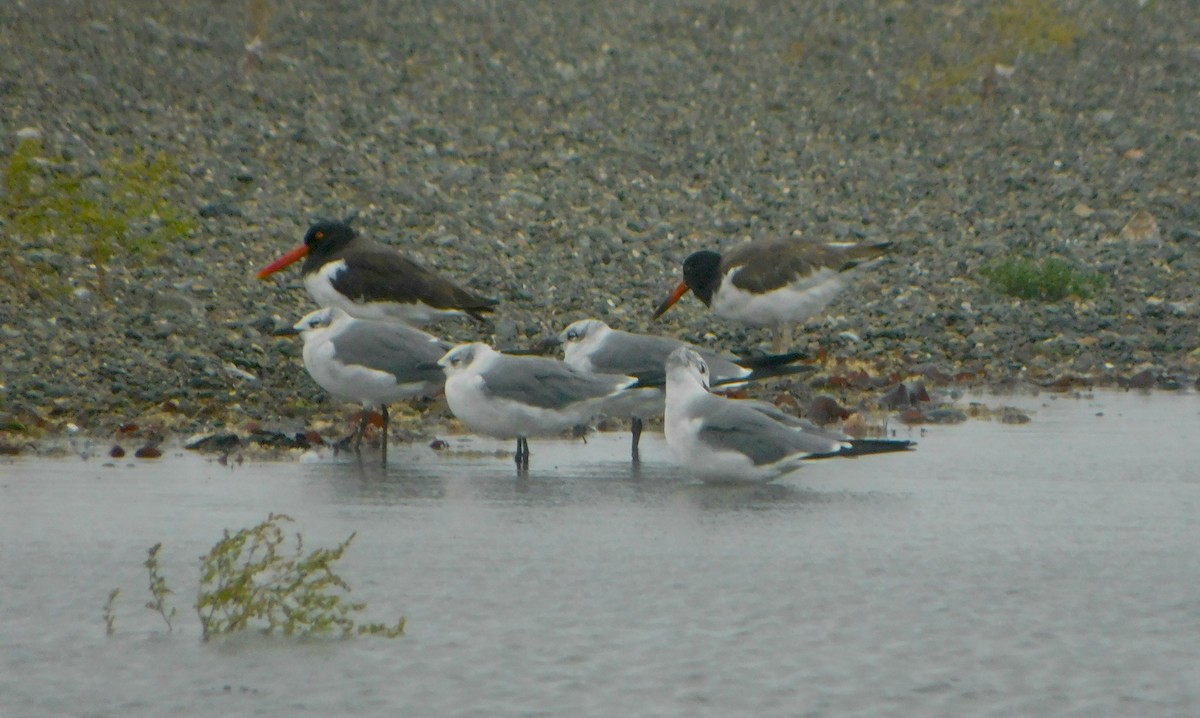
x: 247, y: 582
x: 1049, y: 280
x: 53, y: 213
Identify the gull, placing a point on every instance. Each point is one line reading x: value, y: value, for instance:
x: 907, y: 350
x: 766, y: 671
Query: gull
x: 775, y: 282
x: 369, y: 280
x: 368, y: 361
x: 516, y: 397
x: 593, y: 346
x: 727, y: 440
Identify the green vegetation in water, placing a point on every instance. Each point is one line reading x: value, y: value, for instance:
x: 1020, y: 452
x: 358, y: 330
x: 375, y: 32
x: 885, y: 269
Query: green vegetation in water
x: 247, y: 581
x: 158, y: 587
x: 52, y: 214
x: 970, y: 43
x: 1048, y: 280
x: 110, y: 615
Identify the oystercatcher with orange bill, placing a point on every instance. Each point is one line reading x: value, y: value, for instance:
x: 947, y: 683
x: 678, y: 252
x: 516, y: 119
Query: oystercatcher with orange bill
x: 369, y: 280
x: 774, y: 282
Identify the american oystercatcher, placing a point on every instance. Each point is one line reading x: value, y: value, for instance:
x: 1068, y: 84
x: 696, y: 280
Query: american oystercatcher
x: 516, y: 397
x: 593, y: 346
x: 369, y: 280
x: 774, y: 282
x: 369, y: 361
x: 728, y: 440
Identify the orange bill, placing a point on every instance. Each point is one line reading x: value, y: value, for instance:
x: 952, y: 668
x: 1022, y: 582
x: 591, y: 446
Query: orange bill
x: 293, y: 256
x: 681, y: 290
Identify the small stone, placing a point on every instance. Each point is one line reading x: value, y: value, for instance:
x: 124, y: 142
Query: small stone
x: 1013, y: 415
x: 945, y: 416
x: 219, y: 209
x: 1144, y: 379
x: 897, y: 398
x: 825, y: 409
x: 1142, y: 227
x: 214, y: 442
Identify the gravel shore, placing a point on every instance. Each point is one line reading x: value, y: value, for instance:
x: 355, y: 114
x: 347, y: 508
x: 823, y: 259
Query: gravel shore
x: 565, y: 156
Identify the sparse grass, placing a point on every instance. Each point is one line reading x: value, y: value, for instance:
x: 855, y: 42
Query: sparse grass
x: 53, y: 214
x: 1048, y: 280
x: 257, y: 19
x: 967, y: 43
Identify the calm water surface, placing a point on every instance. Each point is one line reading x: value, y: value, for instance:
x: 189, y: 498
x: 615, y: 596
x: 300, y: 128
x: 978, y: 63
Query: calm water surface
x: 1043, y: 569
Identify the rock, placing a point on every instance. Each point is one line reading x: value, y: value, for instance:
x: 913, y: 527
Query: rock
x: 826, y: 410
x: 220, y: 443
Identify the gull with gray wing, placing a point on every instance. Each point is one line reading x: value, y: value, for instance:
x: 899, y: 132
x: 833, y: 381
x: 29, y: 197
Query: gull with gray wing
x: 516, y: 397
x: 593, y: 346
x: 371, y: 362
x: 727, y: 440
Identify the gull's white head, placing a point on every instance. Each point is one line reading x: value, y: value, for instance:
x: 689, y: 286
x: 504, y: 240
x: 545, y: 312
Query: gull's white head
x: 315, y: 320
x: 461, y: 357
x: 684, y: 364
x: 577, y: 333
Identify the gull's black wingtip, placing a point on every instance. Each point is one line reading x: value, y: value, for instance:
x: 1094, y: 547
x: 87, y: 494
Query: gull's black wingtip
x: 865, y: 447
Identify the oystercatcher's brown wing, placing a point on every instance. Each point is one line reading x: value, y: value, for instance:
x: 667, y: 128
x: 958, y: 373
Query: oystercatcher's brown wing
x: 775, y: 263
x: 377, y: 274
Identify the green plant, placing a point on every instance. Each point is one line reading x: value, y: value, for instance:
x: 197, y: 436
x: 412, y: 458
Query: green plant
x: 1049, y: 280
x: 158, y: 587
x: 54, y: 213
x: 247, y: 582
x: 259, y: 13
x: 965, y: 45
x: 110, y: 616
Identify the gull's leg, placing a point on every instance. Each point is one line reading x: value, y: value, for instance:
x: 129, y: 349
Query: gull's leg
x: 783, y: 338
x: 364, y: 417
x: 522, y: 457
x: 636, y: 427
x: 384, y: 441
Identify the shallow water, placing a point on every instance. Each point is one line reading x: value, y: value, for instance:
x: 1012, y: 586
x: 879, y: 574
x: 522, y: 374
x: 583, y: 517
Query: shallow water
x: 1039, y: 569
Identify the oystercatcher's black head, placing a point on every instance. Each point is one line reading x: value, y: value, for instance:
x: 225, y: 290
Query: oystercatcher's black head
x: 322, y: 240
x: 326, y: 236
x: 702, y: 274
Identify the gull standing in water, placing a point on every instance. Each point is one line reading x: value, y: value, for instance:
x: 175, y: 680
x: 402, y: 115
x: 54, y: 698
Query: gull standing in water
x: 593, y: 346
x: 371, y: 362
x: 516, y: 397
x: 775, y: 282
x: 727, y: 440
